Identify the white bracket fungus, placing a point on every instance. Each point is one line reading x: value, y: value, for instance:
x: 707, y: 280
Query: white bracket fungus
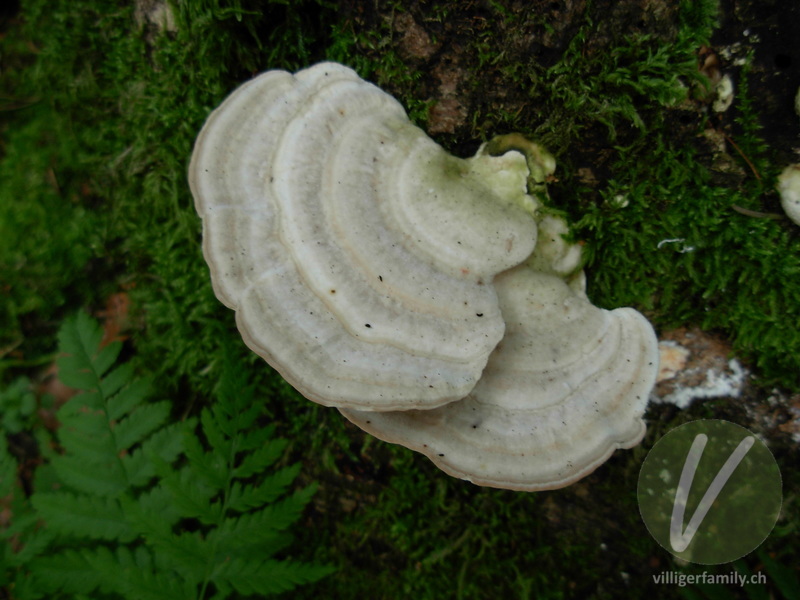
x: 789, y: 190
x: 383, y: 276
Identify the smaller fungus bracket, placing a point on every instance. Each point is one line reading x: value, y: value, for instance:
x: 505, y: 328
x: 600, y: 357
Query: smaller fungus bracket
x: 566, y: 387
x: 789, y: 190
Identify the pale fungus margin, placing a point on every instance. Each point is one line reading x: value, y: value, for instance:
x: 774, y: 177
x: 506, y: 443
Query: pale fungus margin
x: 430, y: 298
x: 789, y: 190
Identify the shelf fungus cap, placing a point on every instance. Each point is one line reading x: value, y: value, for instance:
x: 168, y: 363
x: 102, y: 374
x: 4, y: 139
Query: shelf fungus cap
x: 567, y: 386
x: 789, y: 190
x: 357, y: 253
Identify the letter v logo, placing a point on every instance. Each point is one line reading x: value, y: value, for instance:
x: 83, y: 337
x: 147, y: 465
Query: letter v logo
x: 709, y: 491
x: 680, y: 540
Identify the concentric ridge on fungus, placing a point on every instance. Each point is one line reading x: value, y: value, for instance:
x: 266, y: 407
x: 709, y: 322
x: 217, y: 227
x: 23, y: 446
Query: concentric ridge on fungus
x: 385, y: 277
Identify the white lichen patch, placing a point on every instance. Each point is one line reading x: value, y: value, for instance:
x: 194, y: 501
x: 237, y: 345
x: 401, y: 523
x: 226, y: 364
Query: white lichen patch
x: 717, y: 384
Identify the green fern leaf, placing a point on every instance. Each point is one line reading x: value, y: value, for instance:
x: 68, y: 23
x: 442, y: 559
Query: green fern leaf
x: 67, y: 572
x: 234, y: 419
x: 83, y: 362
x: 213, y: 430
x: 229, y: 542
x: 248, y: 536
x: 87, y: 436
x: 259, y: 533
x: 258, y: 461
x: 83, y: 516
x: 140, y: 424
x: 82, y: 402
x: 132, y: 574
x: 102, y: 478
x: 210, y: 467
x: 244, y: 498
x: 188, y: 553
x: 145, y: 584
x: 163, y: 446
x: 270, y: 577
x: 153, y: 514
x: 26, y: 525
x: 256, y: 438
x: 105, y: 356
x: 282, y: 514
x: 127, y: 523
x: 115, y: 380
x: 191, y: 496
x: 83, y: 571
x: 101, y: 428
x: 127, y: 399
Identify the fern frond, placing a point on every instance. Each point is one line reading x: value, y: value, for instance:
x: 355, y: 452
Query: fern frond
x: 87, y: 436
x: 115, y: 380
x: 163, y: 446
x: 282, y: 514
x: 191, y: 496
x: 83, y: 516
x: 145, y: 420
x: 146, y: 584
x: 246, y: 497
x: 245, y: 523
x: 73, y: 571
x: 103, y: 569
x: 126, y: 522
x: 103, y: 425
x: 256, y: 438
x: 270, y: 576
x: 189, y: 554
x: 248, y: 536
x: 229, y: 542
x: 219, y: 440
x: 153, y: 513
x: 258, y: 461
x: 84, y: 361
x: 34, y: 540
x: 101, y: 477
x: 133, y: 394
x: 211, y: 467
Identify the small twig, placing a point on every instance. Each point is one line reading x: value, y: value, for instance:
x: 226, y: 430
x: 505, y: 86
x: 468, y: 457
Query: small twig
x: 52, y: 179
x: 743, y: 155
x: 755, y: 213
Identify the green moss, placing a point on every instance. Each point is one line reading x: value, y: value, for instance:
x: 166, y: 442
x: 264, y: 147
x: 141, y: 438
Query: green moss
x: 700, y: 261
